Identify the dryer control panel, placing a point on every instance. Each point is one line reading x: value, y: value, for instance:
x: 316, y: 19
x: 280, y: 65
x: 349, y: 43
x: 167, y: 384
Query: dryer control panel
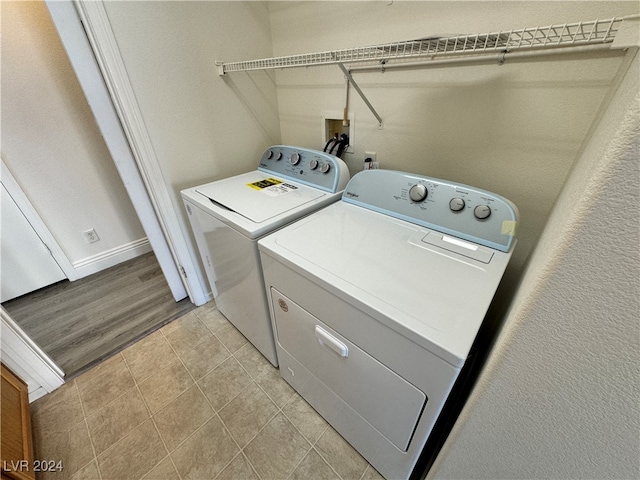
x: 452, y: 208
x: 310, y: 167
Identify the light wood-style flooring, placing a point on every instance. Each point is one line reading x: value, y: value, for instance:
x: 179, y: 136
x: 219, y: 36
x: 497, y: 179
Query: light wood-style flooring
x: 80, y: 323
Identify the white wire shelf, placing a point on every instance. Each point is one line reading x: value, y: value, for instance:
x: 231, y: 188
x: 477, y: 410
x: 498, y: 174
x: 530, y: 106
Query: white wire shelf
x: 550, y: 37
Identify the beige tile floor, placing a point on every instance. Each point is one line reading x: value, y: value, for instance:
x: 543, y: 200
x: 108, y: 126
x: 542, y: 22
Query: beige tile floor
x: 192, y: 400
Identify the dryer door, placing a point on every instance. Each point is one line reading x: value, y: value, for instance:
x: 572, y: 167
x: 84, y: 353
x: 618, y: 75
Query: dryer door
x: 384, y: 399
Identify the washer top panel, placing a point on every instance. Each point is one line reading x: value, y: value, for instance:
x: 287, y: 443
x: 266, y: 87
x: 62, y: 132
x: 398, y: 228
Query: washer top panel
x: 258, y: 196
x: 278, y: 192
x: 310, y: 167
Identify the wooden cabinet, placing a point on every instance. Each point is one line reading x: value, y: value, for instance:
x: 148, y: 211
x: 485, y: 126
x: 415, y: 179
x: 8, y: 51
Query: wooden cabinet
x: 17, y: 449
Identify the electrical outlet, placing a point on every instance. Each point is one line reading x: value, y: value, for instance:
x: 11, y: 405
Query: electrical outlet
x: 91, y: 236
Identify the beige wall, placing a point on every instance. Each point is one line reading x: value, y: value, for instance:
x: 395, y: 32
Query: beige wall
x: 514, y: 129
x: 202, y: 127
x: 51, y: 143
x: 559, y: 396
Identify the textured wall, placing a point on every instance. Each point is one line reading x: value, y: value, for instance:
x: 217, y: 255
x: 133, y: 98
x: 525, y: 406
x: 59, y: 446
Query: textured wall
x: 202, y: 127
x: 559, y: 396
x: 514, y: 129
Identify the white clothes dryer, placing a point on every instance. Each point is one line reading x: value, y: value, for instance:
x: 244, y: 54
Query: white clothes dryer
x: 229, y: 216
x: 376, y: 301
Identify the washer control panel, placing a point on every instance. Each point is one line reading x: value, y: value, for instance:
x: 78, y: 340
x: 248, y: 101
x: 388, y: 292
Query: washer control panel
x: 310, y: 167
x: 452, y: 208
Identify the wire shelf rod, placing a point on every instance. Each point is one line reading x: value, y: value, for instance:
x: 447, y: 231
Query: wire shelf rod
x: 552, y: 36
x: 491, y: 57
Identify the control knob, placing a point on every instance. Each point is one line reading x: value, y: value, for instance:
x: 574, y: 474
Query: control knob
x: 418, y: 192
x: 269, y: 154
x: 313, y: 164
x: 482, y: 211
x: 325, y: 167
x: 294, y: 158
x: 456, y: 204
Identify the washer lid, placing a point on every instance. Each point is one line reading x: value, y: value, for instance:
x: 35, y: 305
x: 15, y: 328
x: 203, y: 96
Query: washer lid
x: 258, y: 196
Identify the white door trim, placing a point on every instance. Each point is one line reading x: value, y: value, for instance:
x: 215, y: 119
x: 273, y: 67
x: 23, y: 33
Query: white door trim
x: 32, y: 216
x: 100, y: 69
x: 27, y: 360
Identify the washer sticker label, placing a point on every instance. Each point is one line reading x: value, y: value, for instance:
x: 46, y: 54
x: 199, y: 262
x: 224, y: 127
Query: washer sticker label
x: 276, y: 190
x: 266, y: 183
x: 272, y: 186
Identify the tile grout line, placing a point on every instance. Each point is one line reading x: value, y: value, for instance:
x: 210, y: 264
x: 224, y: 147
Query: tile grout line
x: 190, y: 386
x: 242, y: 452
x: 109, y: 403
x: 213, y: 334
x: 152, y: 418
x: 84, y: 418
x: 155, y: 426
x: 327, y: 460
x: 254, y: 380
x: 280, y: 410
x: 313, y: 445
x: 215, y: 412
x: 147, y: 376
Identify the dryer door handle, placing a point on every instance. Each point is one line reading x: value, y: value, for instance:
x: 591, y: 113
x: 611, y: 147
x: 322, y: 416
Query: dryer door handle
x: 327, y: 340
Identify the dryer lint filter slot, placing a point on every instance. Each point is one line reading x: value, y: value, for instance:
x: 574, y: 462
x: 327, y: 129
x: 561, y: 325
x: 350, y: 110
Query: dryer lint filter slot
x: 455, y: 245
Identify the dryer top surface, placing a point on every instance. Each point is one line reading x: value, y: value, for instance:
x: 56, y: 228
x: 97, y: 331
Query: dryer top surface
x: 433, y: 292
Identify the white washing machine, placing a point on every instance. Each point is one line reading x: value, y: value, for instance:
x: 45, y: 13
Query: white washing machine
x: 376, y: 301
x: 230, y: 215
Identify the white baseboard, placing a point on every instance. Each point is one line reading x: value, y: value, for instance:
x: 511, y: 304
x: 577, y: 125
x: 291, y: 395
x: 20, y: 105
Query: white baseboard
x: 110, y: 258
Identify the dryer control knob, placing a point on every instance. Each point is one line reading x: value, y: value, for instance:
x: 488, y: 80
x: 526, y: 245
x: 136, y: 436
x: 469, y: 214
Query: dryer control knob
x: 482, y: 211
x: 294, y: 158
x: 325, y: 167
x: 418, y: 192
x: 313, y: 164
x: 456, y: 204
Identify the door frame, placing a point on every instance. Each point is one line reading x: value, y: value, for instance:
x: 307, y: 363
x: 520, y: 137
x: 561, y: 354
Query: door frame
x: 89, y: 41
x: 27, y: 360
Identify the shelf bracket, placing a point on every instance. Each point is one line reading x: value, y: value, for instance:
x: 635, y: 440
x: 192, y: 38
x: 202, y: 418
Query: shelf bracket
x: 360, y: 92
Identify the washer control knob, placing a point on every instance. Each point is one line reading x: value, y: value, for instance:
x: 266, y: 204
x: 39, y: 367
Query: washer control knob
x: 294, y: 158
x: 325, y: 167
x: 456, y: 204
x: 418, y: 192
x: 482, y: 211
x: 269, y: 154
x: 313, y: 164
